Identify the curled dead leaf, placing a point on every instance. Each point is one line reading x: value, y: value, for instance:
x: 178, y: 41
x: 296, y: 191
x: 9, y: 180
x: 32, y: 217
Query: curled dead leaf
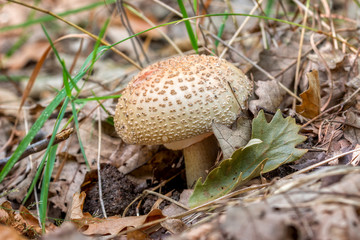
x: 310, y: 106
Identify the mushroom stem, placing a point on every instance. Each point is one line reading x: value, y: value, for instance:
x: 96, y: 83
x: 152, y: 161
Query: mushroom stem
x: 199, y: 158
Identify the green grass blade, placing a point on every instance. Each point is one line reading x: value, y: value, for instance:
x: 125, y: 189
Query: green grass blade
x: 98, y: 41
x: 78, y: 133
x: 59, y: 59
x: 357, y: 3
x: 195, y: 5
x: 45, y: 185
x: 93, y: 60
x: 221, y: 29
x: 269, y: 6
x: 66, y: 84
x: 192, y: 36
x: 82, y: 100
x: 41, y: 165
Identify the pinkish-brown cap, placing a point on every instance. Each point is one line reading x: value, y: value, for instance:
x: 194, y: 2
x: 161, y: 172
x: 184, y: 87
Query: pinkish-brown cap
x: 179, y: 98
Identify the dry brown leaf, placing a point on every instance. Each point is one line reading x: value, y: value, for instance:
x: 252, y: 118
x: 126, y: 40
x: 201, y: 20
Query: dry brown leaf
x: 232, y: 139
x: 138, y: 24
x: 32, y: 221
x: 310, y: 106
x: 67, y: 231
x: 331, y: 56
x: 77, y: 205
x: 337, y: 221
x: 175, y: 226
x: 22, y: 221
x: 270, y: 96
x: 204, y: 231
x: 114, y: 225
x: 23, y: 186
x: 352, y: 134
x: 67, y: 183
x: 111, y: 225
x: 261, y: 221
x: 9, y: 233
x: 137, y: 235
x: 354, y: 82
x: 173, y: 209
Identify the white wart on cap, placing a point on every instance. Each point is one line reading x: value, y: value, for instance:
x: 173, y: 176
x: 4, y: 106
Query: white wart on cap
x: 179, y: 98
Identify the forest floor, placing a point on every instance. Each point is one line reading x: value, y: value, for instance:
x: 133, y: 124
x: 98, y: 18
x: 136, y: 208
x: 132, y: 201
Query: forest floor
x: 303, y: 59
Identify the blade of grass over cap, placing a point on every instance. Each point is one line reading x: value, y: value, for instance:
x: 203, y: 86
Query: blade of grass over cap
x: 221, y: 29
x: 192, y: 36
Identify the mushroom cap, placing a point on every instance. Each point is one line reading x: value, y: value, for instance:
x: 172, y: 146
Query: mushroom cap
x: 179, y: 98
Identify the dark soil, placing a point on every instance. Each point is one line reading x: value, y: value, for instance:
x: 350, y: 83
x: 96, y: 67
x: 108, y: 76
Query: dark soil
x: 117, y: 191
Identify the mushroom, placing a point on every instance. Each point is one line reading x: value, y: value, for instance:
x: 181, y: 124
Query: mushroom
x: 174, y: 102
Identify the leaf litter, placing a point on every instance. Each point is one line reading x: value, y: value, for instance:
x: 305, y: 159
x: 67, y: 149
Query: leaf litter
x: 316, y: 205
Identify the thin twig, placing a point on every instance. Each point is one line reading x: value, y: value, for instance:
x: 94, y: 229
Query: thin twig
x: 98, y: 164
x: 41, y: 145
x: 167, y: 199
x: 297, y: 72
x: 332, y: 27
x: 126, y: 23
x: 320, y: 163
x: 318, y: 53
x: 239, y: 29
